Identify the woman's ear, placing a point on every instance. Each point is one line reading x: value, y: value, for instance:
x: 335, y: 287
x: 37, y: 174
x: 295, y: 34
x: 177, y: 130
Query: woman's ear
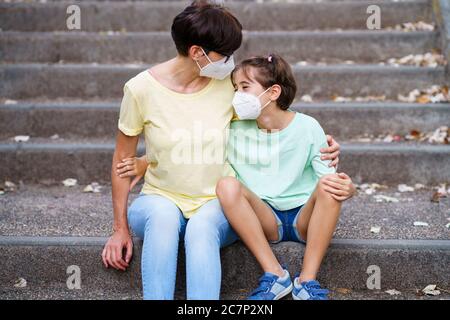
x: 195, y: 52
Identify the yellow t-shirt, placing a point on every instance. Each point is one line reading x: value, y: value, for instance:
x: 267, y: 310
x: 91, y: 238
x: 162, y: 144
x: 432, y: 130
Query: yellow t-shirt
x: 186, y: 137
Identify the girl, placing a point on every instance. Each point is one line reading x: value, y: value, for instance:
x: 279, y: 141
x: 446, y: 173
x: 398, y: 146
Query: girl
x: 283, y: 191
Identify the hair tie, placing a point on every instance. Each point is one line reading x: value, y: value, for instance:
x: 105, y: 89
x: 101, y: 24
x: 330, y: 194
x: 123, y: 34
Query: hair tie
x: 269, y: 58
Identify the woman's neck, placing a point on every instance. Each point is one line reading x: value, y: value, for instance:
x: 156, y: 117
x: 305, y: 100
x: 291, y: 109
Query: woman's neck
x: 274, y: 118
x: 180, y: 74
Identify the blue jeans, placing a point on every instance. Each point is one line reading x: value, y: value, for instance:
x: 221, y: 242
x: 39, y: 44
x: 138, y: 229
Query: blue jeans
x: 161, y: 225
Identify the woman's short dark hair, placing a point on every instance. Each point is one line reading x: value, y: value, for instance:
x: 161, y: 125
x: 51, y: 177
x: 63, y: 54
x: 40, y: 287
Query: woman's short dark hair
x: 271, y: 70
x: 210, y: 26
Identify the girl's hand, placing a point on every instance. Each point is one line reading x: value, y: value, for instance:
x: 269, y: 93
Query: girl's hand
x: 132, y: 167
x: 340, y: 186
x: 332, y: 152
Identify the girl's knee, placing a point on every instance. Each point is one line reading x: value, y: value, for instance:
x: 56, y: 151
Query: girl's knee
x: 322, y: 187
x: 228, y: 188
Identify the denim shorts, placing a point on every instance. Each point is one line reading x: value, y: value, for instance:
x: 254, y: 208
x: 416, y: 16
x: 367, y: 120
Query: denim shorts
x: 287, y: 224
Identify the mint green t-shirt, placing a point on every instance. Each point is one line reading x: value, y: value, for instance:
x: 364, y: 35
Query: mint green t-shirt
x: 281, y: 167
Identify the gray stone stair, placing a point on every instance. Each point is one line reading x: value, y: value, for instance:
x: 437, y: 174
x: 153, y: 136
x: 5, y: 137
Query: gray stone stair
x: 73, y: 120
x: 43, y: 159
x: 158, y: 16
x: 52, y: 228
x: 105, y: 81
x: 52, y: 210
x: 360, y: 46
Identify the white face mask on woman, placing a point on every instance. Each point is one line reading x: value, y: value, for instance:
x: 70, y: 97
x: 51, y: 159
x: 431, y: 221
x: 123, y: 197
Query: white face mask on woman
x: 247, y: 105
x: 218, y: 69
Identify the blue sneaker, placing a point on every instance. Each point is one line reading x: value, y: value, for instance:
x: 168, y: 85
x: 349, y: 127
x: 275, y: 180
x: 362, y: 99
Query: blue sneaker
x: 310, y: 290
x: 272, y: 287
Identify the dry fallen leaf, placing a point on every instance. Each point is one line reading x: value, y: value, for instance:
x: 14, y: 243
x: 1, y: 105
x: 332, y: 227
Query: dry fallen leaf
x: 389, y: 138
x: 70, y: 182
x: 20, y: 283
x: 9, y: 102
x: 442, y: 189
x: 413, y: 26
x: 414, y: 135
x: 306, y: 98
x: 420, y: 224
x: 375, y: 229
x: 441, y: 192
x: 10, y: 186
x: 343, y: 290
x: 393, y: 292
x: 370, y: 188
x: 440, y: 135
x: 430, y: 290
x: 433, y: 94
x: 405, y: 188
x: 436, y: 197
x: 383, y: 198
x: 429, y: 59
x: 336, y: 98
x: 21, y: 138
x: 423, y: 99
x: 93, y: 187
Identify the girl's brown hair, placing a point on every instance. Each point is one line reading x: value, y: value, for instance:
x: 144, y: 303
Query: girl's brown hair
x: 271, y: 70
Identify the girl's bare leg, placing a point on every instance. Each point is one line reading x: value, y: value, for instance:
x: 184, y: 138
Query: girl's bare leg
x: 316, y: 224
x: 252, y: 219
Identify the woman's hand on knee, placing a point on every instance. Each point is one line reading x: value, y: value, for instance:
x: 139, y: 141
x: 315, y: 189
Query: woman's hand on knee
x: 339, y: 185
x: 132, y: 167
x: 113, y: 253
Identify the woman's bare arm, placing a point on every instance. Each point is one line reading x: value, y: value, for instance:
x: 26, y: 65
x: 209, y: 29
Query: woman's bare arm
x: 113, y: 252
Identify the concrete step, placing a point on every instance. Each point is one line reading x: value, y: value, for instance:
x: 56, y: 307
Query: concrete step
x: 404, y: 265
x: 51, y: 210
x: 158, y: 16
x: 62, y: 293
x: 46, y: 229
x: 90, y: 159
x: 25, y: 81
x: 133, y: 47
x: 99, y: 119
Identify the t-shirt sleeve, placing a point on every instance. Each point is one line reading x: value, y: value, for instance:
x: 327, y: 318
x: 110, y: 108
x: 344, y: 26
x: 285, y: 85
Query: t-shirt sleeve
x: 320, y: 167
x: 131, y: 121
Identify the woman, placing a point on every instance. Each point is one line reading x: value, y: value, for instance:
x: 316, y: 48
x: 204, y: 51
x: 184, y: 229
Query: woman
x: 183, y: 106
